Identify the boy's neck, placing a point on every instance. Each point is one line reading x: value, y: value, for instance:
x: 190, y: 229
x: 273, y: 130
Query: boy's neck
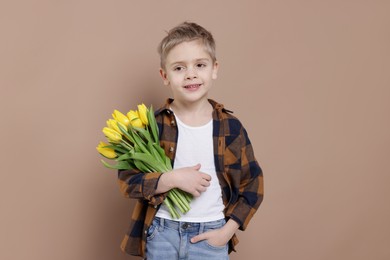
x: 193, y: 114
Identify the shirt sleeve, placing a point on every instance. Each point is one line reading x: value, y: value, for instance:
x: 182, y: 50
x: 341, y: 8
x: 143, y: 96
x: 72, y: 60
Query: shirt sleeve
x: 138, y: 185
x: 251, y: 188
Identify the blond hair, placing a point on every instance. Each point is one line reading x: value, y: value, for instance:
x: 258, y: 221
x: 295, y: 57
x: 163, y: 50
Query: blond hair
x: 185, y: 32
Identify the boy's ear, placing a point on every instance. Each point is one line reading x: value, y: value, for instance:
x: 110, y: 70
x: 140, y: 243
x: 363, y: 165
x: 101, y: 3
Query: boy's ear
x: 164, y: 77
x: 215, y: 70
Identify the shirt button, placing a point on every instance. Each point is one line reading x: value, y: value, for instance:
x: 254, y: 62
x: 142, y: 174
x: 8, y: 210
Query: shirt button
x: 173, y: 123
x: 171, y: 149
x: 146, y: 232
x: 155, y: 206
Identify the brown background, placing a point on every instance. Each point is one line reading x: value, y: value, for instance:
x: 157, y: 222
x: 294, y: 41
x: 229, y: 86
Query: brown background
x: 310, y: 80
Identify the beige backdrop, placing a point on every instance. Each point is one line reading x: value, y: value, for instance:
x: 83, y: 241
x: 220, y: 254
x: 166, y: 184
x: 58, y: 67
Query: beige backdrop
x: 309, y: 80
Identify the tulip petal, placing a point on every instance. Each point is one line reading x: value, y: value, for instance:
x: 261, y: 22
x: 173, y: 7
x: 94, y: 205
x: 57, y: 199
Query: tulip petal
x: 118, y: 116
x: 112, y: 135
x: 142, y: 112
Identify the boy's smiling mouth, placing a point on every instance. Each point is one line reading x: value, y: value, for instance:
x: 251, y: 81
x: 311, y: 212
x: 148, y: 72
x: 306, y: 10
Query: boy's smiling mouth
x: 192, y: 86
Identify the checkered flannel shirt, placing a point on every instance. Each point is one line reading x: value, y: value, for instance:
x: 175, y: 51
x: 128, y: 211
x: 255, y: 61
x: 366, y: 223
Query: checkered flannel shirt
x: 238, y: 172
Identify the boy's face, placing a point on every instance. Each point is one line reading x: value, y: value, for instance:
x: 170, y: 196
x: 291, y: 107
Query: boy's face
x: 189, y: 72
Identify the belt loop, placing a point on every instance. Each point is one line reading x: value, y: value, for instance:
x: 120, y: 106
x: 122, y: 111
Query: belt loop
x: 201, y: 227
x: 161, y: 224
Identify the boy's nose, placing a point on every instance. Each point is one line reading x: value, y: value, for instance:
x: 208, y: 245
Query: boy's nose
x: 191, y: 74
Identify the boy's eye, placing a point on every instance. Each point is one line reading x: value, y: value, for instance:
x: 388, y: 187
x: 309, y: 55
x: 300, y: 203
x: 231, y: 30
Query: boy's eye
x: 178, y: 68
x: 200, y: 65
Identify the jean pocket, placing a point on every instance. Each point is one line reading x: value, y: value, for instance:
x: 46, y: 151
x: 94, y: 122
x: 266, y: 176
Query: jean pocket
x: 223, y: 247
x: 152, y: 231
x: 215, y: 225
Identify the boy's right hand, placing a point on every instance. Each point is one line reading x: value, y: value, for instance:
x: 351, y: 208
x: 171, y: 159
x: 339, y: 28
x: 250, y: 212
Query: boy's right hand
x: 188, y: 179
x: 191, y: 180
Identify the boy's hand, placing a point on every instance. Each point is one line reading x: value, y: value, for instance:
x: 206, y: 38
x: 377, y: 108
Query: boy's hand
x: 191, y: 180
x: 188, y: 179
x: 218, y: 237
x: 215, y: 238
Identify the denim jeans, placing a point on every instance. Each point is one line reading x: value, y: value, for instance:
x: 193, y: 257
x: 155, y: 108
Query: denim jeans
x: 170, y: 240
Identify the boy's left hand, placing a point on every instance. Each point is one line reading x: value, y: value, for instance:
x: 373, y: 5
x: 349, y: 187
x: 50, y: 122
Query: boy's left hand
x: 218, y: 237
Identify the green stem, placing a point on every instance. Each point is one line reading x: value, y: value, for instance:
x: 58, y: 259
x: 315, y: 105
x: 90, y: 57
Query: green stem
x: 186, y: 195
x: 175, y: 201
x: 180, y: 202
x: 183, y: 200
x: 171, y: 208
x: 126, y: 145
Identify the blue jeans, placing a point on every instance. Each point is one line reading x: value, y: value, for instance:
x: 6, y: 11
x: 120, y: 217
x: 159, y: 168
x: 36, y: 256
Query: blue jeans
x: 170, y: 240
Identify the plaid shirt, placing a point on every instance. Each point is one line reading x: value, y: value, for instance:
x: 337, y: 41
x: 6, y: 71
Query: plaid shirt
x: 238, y: 172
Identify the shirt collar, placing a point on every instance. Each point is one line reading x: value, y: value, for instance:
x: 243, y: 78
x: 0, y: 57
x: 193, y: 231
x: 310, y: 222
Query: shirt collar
x: 216, y: 106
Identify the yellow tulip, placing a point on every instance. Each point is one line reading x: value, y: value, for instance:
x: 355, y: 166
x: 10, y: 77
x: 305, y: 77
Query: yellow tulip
x: 119, y: 117
x: 113, y: 124
x: 112, y: 135
x: 142, y: 112
x: 134, y: 119
x: 106, y: 152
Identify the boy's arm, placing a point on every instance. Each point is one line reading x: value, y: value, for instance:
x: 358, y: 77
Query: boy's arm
x: 139, y: 185
x: 249, y: 198
x: 250, y: 192
x: 153, y: 186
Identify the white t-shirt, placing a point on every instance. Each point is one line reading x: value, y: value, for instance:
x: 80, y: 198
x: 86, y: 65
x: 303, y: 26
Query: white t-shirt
x: 195, y: 145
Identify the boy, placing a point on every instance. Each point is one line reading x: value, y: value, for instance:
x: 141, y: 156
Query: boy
x: 212, y: 157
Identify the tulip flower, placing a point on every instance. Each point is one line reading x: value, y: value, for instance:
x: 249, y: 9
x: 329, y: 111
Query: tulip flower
x: 142, y: 112
x: 106, y: 152
x: 135, y: 119
x: 112, y: 135
x: 119, y: 117
x: 113, y: 124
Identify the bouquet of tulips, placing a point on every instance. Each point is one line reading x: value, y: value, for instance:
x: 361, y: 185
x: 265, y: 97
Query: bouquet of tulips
x: 134, y: 144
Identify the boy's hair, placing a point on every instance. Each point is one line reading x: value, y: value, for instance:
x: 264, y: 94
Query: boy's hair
x: 185, y: 32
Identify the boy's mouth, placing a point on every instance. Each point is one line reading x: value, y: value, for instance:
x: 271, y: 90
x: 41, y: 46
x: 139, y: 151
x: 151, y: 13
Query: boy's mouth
x: 192, y: 86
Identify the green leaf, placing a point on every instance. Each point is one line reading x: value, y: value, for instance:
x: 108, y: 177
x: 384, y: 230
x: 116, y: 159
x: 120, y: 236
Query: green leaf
x: 142, y: 145
x: 142, y: 167
x: 153, y: 124
x: 116, y: 148
x: 155, y: 153
x: 168, y: 163
x: 123, y: 157
x: 160, y: 150
x: 149, y: 160
x: 137, y: 149
x: 126, y: 133
x: 145, y: 135
x: 122, y: 165
x: 165, y: 159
